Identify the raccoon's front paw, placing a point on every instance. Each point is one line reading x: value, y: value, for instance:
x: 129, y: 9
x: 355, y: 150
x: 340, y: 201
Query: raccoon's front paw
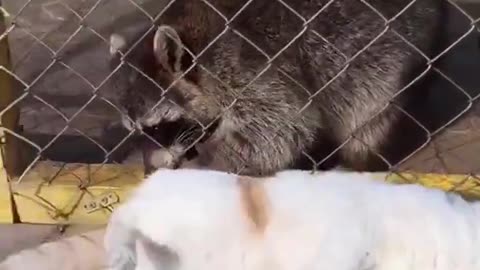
x: 155, y: 159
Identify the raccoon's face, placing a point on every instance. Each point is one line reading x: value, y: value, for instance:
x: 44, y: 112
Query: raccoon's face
x: 153, y: 80
x: 176, y: 143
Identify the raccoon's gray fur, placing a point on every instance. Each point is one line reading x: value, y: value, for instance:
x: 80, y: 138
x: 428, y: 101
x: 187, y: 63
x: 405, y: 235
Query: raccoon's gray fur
x: 309, y: 90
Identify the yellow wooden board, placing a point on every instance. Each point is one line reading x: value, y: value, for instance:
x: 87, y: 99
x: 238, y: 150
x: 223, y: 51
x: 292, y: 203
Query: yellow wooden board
x: 54, y: 194
x: 466, y: 185
x: 6, y: 210
x: 7, y: 120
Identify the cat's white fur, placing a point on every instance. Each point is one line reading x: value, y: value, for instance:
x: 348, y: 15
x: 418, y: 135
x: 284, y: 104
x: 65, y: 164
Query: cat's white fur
x: 80, y: 252
x: 207, y: 220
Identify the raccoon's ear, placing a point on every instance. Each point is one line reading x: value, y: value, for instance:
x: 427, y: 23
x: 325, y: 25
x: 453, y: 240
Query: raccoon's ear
x: 168, y: 48
x: 117, y: 43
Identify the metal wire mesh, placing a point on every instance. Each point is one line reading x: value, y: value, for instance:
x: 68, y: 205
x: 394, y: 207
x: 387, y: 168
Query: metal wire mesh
x: 60, y: 52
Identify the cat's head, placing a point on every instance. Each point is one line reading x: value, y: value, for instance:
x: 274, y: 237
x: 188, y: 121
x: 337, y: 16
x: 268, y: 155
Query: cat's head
x: 155, y: 79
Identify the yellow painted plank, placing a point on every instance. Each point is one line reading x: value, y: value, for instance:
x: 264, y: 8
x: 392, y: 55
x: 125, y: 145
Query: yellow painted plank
x: 52, y: 194
x: 466, y: 185
x: 7, y: 120
x: 6, y: 209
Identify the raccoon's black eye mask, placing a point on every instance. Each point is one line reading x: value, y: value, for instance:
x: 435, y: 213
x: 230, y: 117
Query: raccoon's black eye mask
x: 165, y: 133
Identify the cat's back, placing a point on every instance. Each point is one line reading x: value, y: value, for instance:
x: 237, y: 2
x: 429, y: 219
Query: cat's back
x: 189, y: 200
x: 343, y: 194
x: 176, y: 191
x: 296, y: 219
x: 382, y: 224
x: 294, y: 192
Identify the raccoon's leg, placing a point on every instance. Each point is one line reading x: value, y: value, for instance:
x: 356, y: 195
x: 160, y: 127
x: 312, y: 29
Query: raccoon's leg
x: 404, y: 138
x: 208, y: 157
x: 321, y: 156
x: 259, y: 137
x: 236, y: 154
x: 391, y: 136
x: 363, y: 152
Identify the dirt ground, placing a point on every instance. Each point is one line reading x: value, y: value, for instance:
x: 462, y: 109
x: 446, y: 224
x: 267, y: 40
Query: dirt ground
x: 455, y: 150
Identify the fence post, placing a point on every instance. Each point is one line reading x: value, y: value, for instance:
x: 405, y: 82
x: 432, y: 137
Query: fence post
x: 10, y: 145
x: 9, y: 120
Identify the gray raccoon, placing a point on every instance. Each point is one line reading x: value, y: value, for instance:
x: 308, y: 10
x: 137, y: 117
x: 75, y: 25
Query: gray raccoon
x: 283, y: 83
x: 167, y: 145
x: 172, y: 144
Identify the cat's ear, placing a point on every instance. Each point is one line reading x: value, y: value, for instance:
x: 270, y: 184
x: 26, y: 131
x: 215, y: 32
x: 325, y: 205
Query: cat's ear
x: 168, y: 48
x: 117, y: 43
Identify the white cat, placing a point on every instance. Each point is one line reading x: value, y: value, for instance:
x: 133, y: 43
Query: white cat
x: 79, y: 252
x: 207, y: 220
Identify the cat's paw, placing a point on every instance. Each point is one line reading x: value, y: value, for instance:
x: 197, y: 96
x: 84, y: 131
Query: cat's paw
x: 121, y: 258
x: 119, y: 241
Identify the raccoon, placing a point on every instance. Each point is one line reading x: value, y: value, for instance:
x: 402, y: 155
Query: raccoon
x: 171, y: 144
x: 290, y: 83
x: 167, y: 145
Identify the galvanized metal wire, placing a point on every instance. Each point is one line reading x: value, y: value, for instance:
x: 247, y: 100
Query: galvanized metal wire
x: 38, y: 21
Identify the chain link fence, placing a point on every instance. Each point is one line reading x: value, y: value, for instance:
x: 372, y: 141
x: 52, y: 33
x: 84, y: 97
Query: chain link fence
x: 67, y: 89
